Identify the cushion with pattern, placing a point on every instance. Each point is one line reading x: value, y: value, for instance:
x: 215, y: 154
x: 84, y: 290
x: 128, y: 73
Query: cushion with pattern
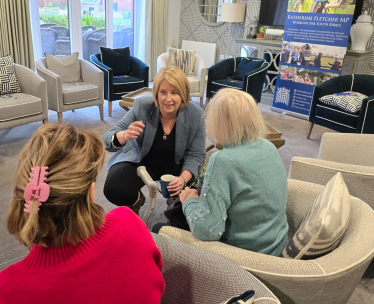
x: 8, y: 79
x: 348, y: 101
x: 245, y: 66
x: 117, y: 59
x: 67, y: 67
x: 323, y: 227
x: 183, y: 59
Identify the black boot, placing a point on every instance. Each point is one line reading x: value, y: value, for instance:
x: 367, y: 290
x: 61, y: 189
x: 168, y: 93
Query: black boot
x: 139, y: 202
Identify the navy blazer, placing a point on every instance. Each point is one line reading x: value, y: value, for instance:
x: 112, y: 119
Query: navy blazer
x: 189, y: 136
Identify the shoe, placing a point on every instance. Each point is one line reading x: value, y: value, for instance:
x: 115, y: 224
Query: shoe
x: 139, y: 203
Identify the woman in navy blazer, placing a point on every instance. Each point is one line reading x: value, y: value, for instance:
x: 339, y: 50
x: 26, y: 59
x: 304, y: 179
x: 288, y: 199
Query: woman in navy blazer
x: 166, y: 134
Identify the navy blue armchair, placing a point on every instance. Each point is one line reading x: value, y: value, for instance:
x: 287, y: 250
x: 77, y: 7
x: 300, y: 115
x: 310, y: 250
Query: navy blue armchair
x: 222, y: 75
x: 117, y: 85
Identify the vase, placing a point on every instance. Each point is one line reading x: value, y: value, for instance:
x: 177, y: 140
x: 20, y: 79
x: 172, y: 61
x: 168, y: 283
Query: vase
x: 361, y: 32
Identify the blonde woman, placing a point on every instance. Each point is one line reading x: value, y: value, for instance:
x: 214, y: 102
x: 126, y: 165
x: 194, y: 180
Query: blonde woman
x: 243, y: 198
x: 166, y: 134
x: 77, y: 254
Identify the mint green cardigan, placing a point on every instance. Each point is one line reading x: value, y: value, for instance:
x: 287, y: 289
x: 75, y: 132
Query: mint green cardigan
x: 243, y: 199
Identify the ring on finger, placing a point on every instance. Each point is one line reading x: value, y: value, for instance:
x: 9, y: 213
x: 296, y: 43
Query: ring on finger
x: 132, y: 133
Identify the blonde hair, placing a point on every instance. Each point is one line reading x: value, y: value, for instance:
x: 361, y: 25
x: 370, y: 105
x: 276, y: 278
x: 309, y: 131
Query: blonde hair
x: 233, y: 118
x: 175, y: 77
x: 74, y: 158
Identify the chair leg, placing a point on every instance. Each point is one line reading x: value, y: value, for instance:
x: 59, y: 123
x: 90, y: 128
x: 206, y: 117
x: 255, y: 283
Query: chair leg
x: 201, y: 101
x: 311, y: 124
x: 45, y: 121
x: 110, y: 108
x: 101, y: 108
x: 59, y: 115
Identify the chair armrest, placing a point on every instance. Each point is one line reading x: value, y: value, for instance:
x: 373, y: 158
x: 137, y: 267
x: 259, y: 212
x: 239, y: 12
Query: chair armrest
x: 359, y: 179
x: 139, y: 69
x: 365, y: 120
x: 220, y: 70
x: 108, y: 75
x: 254, y: 80
x: 93, y: 75
x: 200, y: 72
x: 161, y: 62
x: 54, y: 86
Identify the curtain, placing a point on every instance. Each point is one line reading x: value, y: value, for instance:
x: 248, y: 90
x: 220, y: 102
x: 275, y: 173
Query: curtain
x: 15, y: 31
x: 211, y: 10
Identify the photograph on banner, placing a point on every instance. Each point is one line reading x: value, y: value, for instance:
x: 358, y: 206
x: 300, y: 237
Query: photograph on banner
x: 304, y: 76
x: 346, y: 7
x: 313, y: 55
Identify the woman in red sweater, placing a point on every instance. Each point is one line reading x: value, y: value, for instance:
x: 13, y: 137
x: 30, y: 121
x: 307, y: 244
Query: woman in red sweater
x: 77, y: 254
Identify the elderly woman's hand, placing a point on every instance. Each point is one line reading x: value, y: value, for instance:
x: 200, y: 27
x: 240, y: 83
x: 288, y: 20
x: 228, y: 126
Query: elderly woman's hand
x: 187, y: 193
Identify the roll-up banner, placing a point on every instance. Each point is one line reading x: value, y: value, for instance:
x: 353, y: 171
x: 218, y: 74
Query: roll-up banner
x: 314, y: 44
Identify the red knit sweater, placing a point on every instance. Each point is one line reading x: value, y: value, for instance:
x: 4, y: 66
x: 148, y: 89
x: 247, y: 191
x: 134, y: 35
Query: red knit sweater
x: 119, y: 264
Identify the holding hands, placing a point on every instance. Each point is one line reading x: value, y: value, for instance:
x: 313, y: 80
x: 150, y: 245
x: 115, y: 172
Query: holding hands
x: 176, y: 185
x: 132, y: 132
x: 187, y: 193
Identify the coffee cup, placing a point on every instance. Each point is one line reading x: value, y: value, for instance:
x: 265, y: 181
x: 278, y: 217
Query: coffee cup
x: 165, y: 181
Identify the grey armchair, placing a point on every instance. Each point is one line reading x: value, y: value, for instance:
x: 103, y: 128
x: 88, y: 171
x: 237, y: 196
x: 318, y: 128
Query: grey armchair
x: 329, y: 279
x: 69, y: 96
x: 351, y: 154
x: 29, y: 106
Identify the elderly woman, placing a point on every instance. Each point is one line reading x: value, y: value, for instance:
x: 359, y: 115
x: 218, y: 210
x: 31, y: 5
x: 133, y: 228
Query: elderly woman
x: 243, y: 198
x: 77, y: 254
x: 166, y: 135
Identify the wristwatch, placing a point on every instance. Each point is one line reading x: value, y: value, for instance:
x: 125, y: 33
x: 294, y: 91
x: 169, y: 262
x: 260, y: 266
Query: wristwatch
x: 185, y: 181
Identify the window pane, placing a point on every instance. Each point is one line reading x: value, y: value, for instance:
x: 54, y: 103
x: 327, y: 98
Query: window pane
x: 123, y: 24
x: 54, y: 27
x: 93, y: 27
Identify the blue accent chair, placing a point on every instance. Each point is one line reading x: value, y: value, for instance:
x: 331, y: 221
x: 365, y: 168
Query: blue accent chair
x: 117, y: 85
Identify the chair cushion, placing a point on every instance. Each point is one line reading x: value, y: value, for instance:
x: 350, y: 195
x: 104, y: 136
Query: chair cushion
x: 225, y: 83
x: 183, y: 59
x: 126, y: 84
x: 17, y: 105
x: 348, y: 101
x: 245, y: 66
x: 117, y: 59
x: 323, y: 227
x: 194, y: 83
x: 76, y: 92
x: 67, y: 67
x: 8, y: 79
x: 336, y: 115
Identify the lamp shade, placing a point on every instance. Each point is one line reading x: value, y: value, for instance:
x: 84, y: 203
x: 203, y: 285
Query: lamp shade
x: 233, y: 12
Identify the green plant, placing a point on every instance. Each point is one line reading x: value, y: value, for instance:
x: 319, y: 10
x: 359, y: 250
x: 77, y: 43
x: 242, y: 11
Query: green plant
x: 53, y: 18
x: 261, y: 30
x: 87, y: 20
x: 50, y: 4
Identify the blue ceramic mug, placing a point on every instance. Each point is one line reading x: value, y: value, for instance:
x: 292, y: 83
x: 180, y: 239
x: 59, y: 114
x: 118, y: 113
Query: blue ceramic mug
x: 165, y: 181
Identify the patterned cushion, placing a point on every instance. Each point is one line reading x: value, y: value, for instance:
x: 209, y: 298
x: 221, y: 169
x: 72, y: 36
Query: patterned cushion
x: 8, y: 78
x: 247, y: 297
x: 183, y: 59
x: 348, y: 101
x: 117, y: 59
x: 323, y: 227
x: 245, y: 66
x: 67, y: 67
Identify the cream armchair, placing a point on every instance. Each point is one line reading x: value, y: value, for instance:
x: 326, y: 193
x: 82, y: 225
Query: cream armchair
x: 351, y: 154
x: 329, y: 279
x: 69, y: 96
x: 197, y: 81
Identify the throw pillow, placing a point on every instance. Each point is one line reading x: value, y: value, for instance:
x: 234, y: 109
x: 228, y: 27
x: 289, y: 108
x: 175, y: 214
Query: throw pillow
x: 245, y: 66
x: 117, y: 59
x: 323, y: 227
x: 8, y: 79
x: 183, y: 59
x: 348, y: 101
x: 67, y: 67
x: 247, y: 297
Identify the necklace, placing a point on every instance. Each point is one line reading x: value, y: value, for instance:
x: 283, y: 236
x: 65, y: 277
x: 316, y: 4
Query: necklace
x: 165, y: 136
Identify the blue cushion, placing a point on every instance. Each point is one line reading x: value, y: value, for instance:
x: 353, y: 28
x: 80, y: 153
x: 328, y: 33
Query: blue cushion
x: 117, y: 59
x: 336, y: 116
x: 245, y: 66
x: 126, y: 84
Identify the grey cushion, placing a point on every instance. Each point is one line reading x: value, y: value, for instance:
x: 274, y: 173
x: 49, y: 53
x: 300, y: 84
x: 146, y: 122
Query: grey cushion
x: 8, y: 78
x: 183, y: 59
x: 76, y: 92
x: 323, y: 227
x: 19, y: 105
x: 66, y: 67
x: 348, y: 101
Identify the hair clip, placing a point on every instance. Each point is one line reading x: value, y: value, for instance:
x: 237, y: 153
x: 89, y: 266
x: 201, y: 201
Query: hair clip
x: 36, y: 188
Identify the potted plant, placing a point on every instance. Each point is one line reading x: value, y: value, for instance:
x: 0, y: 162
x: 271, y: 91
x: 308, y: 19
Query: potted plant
x: 261, y: 33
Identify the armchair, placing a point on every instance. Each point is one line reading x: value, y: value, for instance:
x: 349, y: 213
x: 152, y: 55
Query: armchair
x: 329, y: 279
x: 252, y: 82
x: 350, y: 154
x: 65, y: 96
x: 117, y: 85
x: 29, y: 106
x: 197, y: 82
x: 340, y: 120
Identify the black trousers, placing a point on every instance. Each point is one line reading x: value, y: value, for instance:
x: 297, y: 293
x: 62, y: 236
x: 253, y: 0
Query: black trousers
x: 123, y: 183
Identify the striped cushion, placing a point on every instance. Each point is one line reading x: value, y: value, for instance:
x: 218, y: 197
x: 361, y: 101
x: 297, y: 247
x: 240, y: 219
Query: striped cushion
x: 8, y: 78
x: 183, y: 59
x: 348, y: 101
x: 323, y: 227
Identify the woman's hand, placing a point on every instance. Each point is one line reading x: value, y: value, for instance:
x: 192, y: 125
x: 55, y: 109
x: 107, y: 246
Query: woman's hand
x: 176, y: 186
x: 187, y: 193
x: 132, y: 132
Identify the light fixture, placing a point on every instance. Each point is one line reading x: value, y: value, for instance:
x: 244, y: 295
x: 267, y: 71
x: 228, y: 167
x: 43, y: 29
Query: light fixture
x: 232, y: 12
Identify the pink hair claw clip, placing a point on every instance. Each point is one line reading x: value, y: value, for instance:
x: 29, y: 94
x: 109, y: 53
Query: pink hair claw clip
x: 36, y: 188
